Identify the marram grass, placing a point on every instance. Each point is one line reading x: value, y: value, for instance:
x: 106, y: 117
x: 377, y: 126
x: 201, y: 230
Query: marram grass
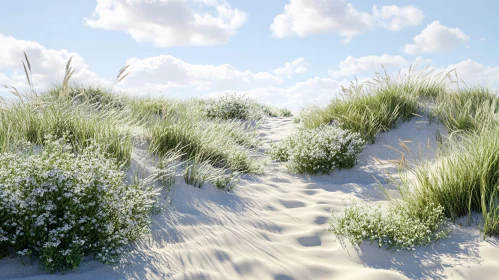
x: 376, y: 106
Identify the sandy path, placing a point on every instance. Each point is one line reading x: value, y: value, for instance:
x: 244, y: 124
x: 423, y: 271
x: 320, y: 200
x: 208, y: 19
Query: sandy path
x: 274, y: 227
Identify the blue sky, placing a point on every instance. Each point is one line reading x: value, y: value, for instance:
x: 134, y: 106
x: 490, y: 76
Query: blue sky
x: 287, y: 52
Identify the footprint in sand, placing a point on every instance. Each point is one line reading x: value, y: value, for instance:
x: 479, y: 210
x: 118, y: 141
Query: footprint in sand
x: 309, y: 241
x: 292, y: 203
x: 320, y: 220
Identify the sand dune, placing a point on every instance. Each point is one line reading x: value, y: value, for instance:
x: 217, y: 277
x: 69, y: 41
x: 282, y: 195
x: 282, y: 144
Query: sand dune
x: 273, y: 226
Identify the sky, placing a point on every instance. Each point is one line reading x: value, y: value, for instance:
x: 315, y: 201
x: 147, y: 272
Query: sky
x: 290, y: 53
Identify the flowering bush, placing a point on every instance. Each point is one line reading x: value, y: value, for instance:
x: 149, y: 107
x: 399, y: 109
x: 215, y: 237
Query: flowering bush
x: 398, y: 230
x: 61, y: 206
x: 321, y: 149
x: 230, y: 107
x: 240, y: 107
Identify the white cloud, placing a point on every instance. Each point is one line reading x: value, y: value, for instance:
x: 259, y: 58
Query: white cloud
x: 473, y: 72
x: 169, y: 23
x: 47, y: 65
x: 309, y: 17
x: 170, y: 76
x: 296, y: 66
x: 314, y: 91
x: 353, y: 66
x: 395, y: 18
x: 166, y: 72
x: 436, y: 38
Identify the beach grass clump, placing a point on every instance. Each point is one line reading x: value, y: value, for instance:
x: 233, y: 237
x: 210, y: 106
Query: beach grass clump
x: 225, y: 143
x: 463, y: 180
x: 367, y: 112
x: 398, y: 229
x: 321, y: 149
x: 146, y: 109
x: 468, y: 108
x: 377, y: 105
x: 98, y: 96
x: 34, y: 121
x: 60, y: 206
x: 197, y: 172
x: 422, y: 83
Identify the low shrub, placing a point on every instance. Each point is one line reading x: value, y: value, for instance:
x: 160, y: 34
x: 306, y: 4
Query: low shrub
x: 60, y: 206
x: 271, y: 111
x: 233, y: 106
x: 399, y: 229
x: 321, y: 149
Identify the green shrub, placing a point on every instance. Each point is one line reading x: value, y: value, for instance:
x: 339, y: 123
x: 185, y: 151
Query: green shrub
x: 231, y: 107
x: 239, y: 107
x: 399, y: 229
x: 321, y: 149
x: 61, y: 206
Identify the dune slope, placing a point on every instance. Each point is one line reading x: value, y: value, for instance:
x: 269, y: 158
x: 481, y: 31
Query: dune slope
x: 273, y: 226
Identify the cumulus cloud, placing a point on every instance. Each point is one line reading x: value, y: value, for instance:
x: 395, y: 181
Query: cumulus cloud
x: 395, y: 18
x: 314, y: 91
x: 167, y: 23
x: 296, y: 66
x: 353, y: 66
x: 169, y: 73
x: 308, y: 17
x: 436, y: 38
x: 166, y: 74
x: 47, y: 65
x: 170, y: 76
x: 473, y: 72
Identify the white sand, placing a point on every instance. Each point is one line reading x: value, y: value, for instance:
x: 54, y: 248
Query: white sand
x: 274, y: 227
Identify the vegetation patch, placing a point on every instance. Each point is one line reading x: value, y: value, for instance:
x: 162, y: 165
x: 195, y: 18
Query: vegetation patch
x: 233, y: 106
x: 398, y: 229
x: 463, y: 180
x: 468, y: 108
x: 376, y: 106
x: 60, y: 206
x: 321, y: 149
x: 35, y: 120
